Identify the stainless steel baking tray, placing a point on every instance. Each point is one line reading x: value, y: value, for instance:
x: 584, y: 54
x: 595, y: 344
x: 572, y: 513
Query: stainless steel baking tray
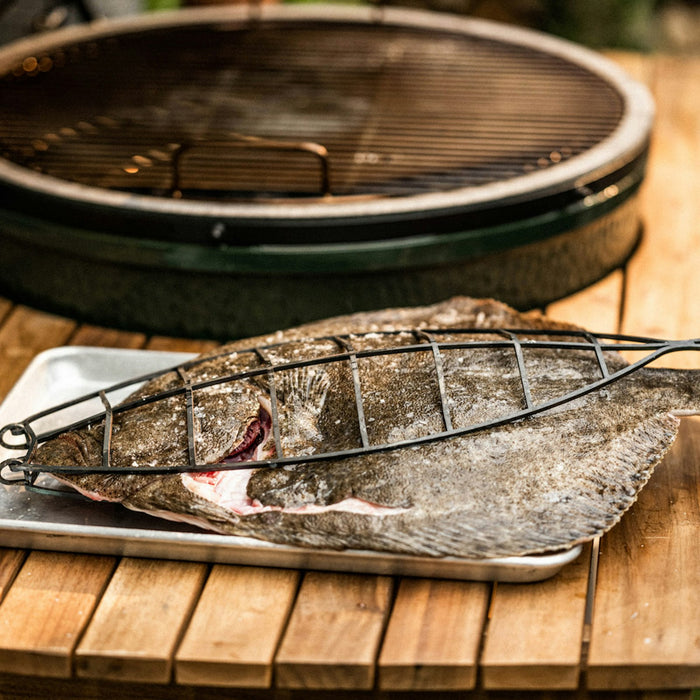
x: 73, y: 524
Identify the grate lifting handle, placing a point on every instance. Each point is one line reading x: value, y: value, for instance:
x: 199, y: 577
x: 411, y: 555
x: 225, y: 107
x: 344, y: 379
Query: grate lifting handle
x: 235, y: 141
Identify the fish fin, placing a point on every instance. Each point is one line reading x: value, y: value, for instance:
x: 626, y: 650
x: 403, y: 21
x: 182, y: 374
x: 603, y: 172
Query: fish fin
x: 304, y: 388
x: 679, y: 389
x: 302, y: 394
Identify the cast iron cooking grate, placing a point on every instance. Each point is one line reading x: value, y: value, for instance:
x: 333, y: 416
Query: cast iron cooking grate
x: 255, y: 110
x: 434, y: 344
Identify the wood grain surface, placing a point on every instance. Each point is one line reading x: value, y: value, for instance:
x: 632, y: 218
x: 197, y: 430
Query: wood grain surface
x: 535, y: 633
x: 138, y: 623
x: 434, y: 635
x: 236, y: 628
x: 46, y: 610
x: 647, y: 618
x: 334, y: 632
x: 647, y: 599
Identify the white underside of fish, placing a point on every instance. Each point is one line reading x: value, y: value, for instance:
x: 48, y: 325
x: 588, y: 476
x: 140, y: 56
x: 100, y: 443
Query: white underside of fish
x: 228, y: 489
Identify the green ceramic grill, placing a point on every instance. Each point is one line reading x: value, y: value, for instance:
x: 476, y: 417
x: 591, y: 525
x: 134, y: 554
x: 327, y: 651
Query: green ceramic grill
x: 229, y: 171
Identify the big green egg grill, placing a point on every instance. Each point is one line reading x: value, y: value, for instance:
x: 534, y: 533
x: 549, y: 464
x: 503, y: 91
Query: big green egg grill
x: 228, y: 171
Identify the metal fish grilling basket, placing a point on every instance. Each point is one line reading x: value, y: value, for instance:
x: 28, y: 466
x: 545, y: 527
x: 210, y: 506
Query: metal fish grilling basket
x: 25, y: 436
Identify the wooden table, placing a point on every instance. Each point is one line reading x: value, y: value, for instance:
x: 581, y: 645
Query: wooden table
x: 99, y: 626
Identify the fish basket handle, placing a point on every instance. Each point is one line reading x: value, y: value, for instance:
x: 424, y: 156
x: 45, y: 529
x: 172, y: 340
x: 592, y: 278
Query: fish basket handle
x: 13, y: 466
x: 17, y: 430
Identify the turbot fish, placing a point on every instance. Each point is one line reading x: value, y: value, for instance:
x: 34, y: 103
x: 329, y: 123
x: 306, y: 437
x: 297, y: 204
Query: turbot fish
x: 460, y: 429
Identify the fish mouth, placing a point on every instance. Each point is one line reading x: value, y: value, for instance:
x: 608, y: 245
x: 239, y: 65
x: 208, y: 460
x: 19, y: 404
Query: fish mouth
x: 253, y: 446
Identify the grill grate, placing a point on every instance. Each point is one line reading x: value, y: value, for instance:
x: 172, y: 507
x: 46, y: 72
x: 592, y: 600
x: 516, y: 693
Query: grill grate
x: 400, y: 110
x: 23, y: 436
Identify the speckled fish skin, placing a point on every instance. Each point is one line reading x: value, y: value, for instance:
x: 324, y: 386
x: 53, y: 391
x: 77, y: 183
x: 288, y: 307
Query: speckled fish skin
x: 536, y: 485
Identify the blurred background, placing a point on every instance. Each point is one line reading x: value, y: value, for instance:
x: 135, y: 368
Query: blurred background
x: 641, y: 25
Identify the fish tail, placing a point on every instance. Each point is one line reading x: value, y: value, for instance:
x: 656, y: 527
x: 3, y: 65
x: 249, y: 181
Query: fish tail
x: 684, y: 387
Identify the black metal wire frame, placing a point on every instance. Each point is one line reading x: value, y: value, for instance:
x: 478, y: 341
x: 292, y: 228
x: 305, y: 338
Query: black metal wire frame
x: 515, y: 339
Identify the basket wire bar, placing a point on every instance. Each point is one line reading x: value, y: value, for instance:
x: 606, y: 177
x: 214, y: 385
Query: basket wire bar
x: 437, y: 358
x: 25, y: 472
x: 357, y: 388
x: 274, y: 412
x: 189, y: 414
x: 595, y: 342
x: 517, y: 347
x: 107, y: 440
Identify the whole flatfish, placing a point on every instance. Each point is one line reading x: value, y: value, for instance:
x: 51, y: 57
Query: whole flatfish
x: 405, y: 430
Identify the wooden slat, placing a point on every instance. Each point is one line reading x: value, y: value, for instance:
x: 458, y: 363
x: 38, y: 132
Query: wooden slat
x: 663, y: 281
x: 647, y: 617
x: 334, y: 632
x: 434, y: 634
x: 24, y: 334
x: 596, y: 308
x: 46, y: 609
x: 10, y: 563
x: 107, y: 337
x: 236, y: 627
x: 138, y: 622
x: 535, y: 633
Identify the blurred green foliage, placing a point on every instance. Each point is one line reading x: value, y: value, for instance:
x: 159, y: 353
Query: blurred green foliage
x: 154, y: 5
x: 640, y: 25
x: 603, y: 23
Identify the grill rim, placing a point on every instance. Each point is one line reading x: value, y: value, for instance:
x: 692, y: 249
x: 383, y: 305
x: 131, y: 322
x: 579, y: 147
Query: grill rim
x: 628, y: 142
x: 375, y: 255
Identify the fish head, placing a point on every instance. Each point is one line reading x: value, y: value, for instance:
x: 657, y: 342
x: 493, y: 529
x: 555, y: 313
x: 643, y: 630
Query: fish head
x: 229, y: 422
